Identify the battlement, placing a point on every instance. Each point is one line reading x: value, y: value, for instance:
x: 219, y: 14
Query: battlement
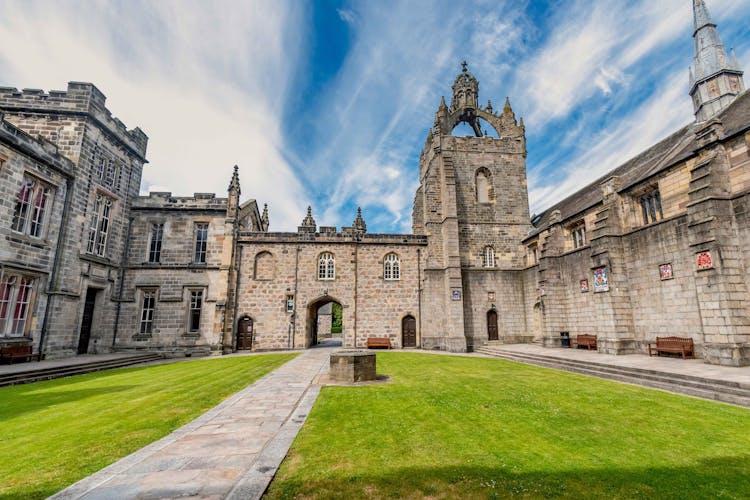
x: 37, y: 148
x: 163, y: 200
x: 80, y: 98
x: 330, y: 235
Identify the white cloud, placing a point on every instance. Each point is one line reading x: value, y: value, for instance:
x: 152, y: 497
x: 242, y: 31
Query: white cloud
x: 206, y: 82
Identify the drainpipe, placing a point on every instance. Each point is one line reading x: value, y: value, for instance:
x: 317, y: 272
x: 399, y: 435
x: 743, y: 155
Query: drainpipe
x: 123, y: 261
x: 52, y: 285
x: 419, y: 295
x: 294, y: 311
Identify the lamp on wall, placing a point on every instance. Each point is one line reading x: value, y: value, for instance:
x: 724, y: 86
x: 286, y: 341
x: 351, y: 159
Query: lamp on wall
x: 493, y: 307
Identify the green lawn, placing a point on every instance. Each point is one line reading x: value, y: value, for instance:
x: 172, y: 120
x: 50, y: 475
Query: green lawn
x: 56, y: 432
x: 458, y: 427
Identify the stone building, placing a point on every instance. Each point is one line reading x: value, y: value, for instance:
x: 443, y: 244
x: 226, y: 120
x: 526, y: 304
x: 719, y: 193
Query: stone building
x: 655, y: 247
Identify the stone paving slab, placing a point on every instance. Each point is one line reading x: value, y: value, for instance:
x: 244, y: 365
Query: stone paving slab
x: 231, y: 451
x: 691, y: 367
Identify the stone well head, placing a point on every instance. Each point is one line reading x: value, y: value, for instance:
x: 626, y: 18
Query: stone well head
x: 352, y: 366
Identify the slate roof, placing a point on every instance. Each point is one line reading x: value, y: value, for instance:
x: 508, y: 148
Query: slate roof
x: 676, y: 148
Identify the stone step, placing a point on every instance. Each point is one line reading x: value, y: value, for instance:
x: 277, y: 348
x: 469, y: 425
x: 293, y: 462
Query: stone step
x: 706, y: 388
x: 37, y: 374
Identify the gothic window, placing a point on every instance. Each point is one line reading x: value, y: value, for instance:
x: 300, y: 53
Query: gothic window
x: 15, y: 297
x: 194, y: 311
x: 326, y: 266
x: 99, y: 225
x: 110, y: 174
x: 578, y: 235
x: 147, y: 311
x: 651, y: 207
x: 201, y: 243
x: 154, y: 250
x: 32, y: 202
x: 265, y: 267
x: 484, y: 186
x: 488, y: 257
x: 391, y: 267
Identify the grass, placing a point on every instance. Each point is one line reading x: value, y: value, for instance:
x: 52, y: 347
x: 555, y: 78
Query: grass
x: 56, y: 432
x: 458, y: 427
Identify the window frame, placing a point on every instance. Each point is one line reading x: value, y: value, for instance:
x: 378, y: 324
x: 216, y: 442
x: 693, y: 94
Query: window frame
x: 146, y: 325
x: 200, y: 246
x: 155, y: 244
x: 326, y: 266
x: 392, y: 267
x: 488, y: 257
x: 16, y: 296
x: 651, y: 206
x: 578, y: 235
x: 30, y: 215
x: 99, y: 225
x: 194, y: 306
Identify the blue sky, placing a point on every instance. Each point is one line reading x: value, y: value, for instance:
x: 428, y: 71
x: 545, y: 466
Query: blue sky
x: 328, y: 103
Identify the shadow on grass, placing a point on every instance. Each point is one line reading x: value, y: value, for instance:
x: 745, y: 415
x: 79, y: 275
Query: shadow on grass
x: 34, y: 400
x: 727, y: 477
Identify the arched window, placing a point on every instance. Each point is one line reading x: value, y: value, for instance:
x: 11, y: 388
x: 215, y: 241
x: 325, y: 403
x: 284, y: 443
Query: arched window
x: 485, y: 192
x: 326, y: 266
x: 265, y: 266
x: 392, y: 267
x: 488, y: 258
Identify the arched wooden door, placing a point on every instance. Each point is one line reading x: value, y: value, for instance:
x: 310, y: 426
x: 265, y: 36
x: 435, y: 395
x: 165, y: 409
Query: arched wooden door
x: 409, y: 332
x: 492, y: 325
x: 245, y: 334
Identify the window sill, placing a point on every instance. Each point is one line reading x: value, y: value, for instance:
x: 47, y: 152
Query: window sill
x: 191, y: 335
x: 25, y: 239
x: 141, y: 336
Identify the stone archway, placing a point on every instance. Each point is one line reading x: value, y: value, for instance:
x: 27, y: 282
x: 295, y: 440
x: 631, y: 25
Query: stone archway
x: 314, y: 310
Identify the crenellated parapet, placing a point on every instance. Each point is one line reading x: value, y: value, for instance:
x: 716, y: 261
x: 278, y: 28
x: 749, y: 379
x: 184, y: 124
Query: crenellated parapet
x: 82, y: 99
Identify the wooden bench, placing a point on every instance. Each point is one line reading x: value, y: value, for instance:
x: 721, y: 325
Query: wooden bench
x: 587, y: 341
x: 680, y: 345
x: 12, y: 352
x: 378, y: 342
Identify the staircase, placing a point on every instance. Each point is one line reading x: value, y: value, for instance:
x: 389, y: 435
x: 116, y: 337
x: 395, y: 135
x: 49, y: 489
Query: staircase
x: 36, y: 372
x: 718, y: 390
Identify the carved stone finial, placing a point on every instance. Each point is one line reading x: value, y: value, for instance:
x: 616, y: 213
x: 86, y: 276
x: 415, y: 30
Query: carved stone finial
x: 507, y: 109
x: 234, y: 184
x: 489, y: 106
x: 308, y: 221
x: 264, y: 217
x: 359, y: 223
x: 464, y: 64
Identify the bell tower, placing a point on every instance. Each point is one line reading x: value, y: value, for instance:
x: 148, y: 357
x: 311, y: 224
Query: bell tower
x: 472, y: 203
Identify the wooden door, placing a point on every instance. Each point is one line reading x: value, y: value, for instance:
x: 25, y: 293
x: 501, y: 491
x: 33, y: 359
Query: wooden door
x: 409, y: 332
x: 86, y: 321
x: 492, y: 325
x: 245, y: 334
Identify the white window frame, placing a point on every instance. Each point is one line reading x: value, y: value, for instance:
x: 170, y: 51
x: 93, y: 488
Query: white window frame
x: 148, y: 308
x: 578, y: 235
x: 33, y: 201
x: 155, y: 243
x: 488, y: 257
x: 195, y: 303
x: 16, y: 293
x: 326, y: 267
x: 99, y: 225
x: 200, y: 250
x: 391, y: 267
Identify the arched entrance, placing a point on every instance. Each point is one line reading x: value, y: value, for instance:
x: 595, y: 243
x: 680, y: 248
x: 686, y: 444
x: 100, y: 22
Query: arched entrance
x: 320, y: 322
x: 409, y: 332
x: 245, y: 333
x: 492, y: 325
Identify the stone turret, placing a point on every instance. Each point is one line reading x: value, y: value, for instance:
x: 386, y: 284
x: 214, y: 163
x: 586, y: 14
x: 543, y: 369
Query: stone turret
x: 716, y: 79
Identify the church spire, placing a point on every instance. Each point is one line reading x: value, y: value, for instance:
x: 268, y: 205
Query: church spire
x: 716, y: 80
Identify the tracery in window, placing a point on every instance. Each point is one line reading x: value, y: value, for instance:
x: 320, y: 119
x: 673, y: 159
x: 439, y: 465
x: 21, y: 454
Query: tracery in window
x: 391, y: 267
x: 32, y: 201
x: 99, y: 225
x: 488, y: 257
x: 326, y: 266
x: 15, y: 298
x: 651, y: 207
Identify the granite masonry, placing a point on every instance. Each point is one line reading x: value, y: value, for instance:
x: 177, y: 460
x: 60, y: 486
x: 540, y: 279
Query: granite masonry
x: 656, y: 247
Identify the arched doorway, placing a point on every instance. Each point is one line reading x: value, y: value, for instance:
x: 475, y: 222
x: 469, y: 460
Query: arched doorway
x: 245, y: 333
x: 321, y: 322
x: 409, y: 332
x: 492, y: 325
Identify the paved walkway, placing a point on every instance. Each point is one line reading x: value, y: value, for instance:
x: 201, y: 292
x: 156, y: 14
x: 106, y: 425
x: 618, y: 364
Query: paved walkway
x: 693, y: 367
x: 232, y: 451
